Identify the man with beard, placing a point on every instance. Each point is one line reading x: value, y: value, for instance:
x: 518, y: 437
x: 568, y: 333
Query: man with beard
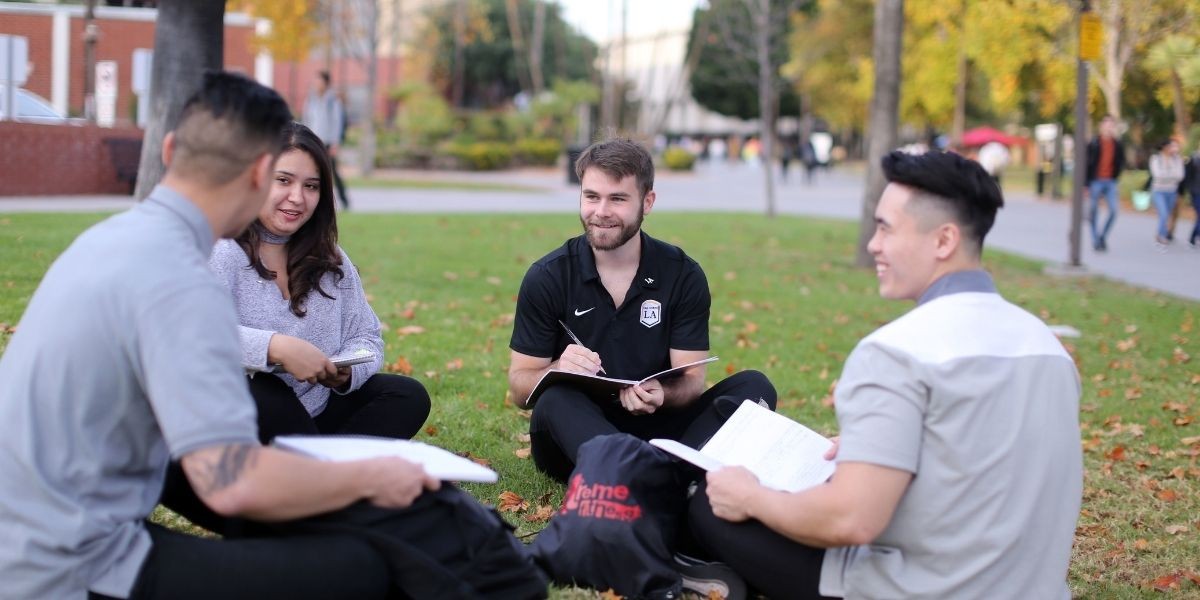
x: 637, y: 306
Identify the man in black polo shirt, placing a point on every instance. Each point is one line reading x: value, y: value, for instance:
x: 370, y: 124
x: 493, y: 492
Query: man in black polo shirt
x: 637, y: 305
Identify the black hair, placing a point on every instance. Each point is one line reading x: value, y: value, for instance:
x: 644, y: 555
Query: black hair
x: 324, y: 75
x: 619, y: 158
x: 958, y: 184
x: 226, y: 124
x: 312, y: 251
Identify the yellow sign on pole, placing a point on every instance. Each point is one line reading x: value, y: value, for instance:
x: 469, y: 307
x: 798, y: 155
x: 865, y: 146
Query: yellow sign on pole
x: 1091, y: 33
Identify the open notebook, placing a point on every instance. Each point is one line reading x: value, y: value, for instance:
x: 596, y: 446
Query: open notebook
x: 437, y: 462
x: 598, y: 386
x: 782, y: 453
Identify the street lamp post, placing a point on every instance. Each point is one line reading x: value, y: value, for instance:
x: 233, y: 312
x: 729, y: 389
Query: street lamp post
x: 1089, y: 47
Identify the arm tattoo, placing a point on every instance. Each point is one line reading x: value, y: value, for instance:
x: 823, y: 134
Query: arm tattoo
x: 228, y: 466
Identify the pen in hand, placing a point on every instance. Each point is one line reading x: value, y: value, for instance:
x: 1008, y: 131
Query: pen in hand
x: 575, y: 339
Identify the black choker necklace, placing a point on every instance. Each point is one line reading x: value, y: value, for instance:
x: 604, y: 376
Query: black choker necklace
x: 266, y: 235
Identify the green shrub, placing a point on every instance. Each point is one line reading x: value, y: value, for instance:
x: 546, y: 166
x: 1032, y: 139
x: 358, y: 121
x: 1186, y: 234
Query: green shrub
x: 678, y: 159
x: 480, y: 156
x: 538, y: 151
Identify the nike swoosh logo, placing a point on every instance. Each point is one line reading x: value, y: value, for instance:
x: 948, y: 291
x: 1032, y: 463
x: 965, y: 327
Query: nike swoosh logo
x: 580, y: 313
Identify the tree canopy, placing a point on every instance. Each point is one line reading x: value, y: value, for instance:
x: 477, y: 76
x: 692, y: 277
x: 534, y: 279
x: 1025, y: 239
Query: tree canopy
x: 490, y: 63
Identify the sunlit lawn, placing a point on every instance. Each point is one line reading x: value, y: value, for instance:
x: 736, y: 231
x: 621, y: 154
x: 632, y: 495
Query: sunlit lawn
x: 786, y: 300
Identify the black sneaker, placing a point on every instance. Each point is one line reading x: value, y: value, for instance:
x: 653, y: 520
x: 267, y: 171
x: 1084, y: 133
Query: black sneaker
x: 703, y: 578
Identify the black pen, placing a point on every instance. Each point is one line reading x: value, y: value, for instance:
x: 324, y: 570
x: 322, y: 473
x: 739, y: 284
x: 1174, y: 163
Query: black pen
x: 575, y: 339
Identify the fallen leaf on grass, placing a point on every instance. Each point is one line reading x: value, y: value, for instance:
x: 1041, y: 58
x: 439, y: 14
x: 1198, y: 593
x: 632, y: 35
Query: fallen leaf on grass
x: 511, y: 502
x: 1182, y: 421
x: 431, y: 431
x: 541, y: 515
x: 1117, y: 453
x: 454, y: 365
x: 401, y: 366
x: 1177, y: 529
x: 410, y: 330
x: 1141, y: 544
x: 1126, y: 345
x: 609, y: 594
x: 730, y: 368
x: 523, y: 438
x: 475, y: 459
x: 450, y: 276
x: 1188, y: 441
x: 1167, y: 495
x: 1167, y: 582
x: 522, y: 452
x: 1178, y: 407
x: 1133, y: 393
x: 714, y: 595
x: 1179, y: 357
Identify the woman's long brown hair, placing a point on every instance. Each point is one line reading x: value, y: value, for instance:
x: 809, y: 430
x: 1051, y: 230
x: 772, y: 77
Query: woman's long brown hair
x: 312, y: 251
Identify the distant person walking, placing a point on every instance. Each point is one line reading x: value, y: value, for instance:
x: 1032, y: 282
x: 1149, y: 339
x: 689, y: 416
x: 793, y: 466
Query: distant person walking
x: 1166, y: 171
x: 325, y: 115
x: 1192, y: 187
x: 1105, y: 160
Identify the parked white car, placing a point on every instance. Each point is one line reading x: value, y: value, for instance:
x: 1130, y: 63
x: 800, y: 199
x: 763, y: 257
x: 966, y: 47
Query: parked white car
x: 32, y: 108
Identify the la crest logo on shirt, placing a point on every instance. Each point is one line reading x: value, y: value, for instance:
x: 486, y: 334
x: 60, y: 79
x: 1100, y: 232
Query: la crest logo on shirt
x: 651, y: 313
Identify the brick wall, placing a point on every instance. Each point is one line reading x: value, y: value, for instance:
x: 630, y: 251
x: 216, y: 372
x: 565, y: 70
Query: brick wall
x: 118, y: 38
x: 59, y: 159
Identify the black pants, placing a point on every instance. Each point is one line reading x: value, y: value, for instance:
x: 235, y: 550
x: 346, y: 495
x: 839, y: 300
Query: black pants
x: 564, y: 418
x: 337, y: 180
x: 386, y: 405
x: 771, y: 563
x: 446, y: 545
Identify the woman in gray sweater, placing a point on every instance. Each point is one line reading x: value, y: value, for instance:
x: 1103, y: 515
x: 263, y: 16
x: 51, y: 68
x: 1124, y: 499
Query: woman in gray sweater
x: 1166, y: 171
x: 300, y: 301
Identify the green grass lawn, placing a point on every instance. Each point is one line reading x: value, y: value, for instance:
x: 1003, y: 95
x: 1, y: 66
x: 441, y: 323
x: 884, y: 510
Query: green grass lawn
x: 787, y: 301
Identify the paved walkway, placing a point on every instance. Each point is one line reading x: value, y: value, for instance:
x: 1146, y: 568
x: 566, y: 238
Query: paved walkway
x: 1028, y: 227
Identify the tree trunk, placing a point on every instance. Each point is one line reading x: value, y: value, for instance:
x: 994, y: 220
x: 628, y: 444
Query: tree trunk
x: 513, y: 10
x: 366, y: 147
x: 536, y: 45
x: 761, y: 11
x: 460, y: 27
x: 885, y: 103
x: 1183, y: 120
x: 960, y: 92
x: 1118, y: 48
x: 188, y: 39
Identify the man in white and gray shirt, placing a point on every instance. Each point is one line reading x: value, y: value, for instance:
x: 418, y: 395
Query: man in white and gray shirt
x: 959, y: 468
x: 326, y: 117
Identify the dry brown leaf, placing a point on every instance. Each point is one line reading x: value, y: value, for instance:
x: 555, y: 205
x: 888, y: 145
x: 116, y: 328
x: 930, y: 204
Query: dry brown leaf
x: 431, y: 431
x: 1188, y: 441
x: 431, y: 374
x: 609, y: 594
x: 522, y: 452
x: 714, y: 595
x: 1141, y: 544
x: 1178, y: 407
x: 409, y: 314
x: 410, y: 330
x: 450, y: 276
x: 1133, y: 393
x: 1179, y: 357
x: 401, y: 366
x: 1167, y: 495
x: 541, y: 515
x: 523, y: 438
x: 1153, y: 450
x: 1177, y: 529
x: 511, y: 502
x: 1178, y: 473
x: 454, y: 365
x: 1183, y: 421
x: 1127, y: 344
x: 1167, y: 582
x: 730, y: 275
x: 1116, y: 454
x: 728, y: 317
x: 730, y: 368
x: 494, y: 280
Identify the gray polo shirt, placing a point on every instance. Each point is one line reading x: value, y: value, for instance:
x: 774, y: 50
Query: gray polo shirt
x: 127, y: 354
x: 979, y: 401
